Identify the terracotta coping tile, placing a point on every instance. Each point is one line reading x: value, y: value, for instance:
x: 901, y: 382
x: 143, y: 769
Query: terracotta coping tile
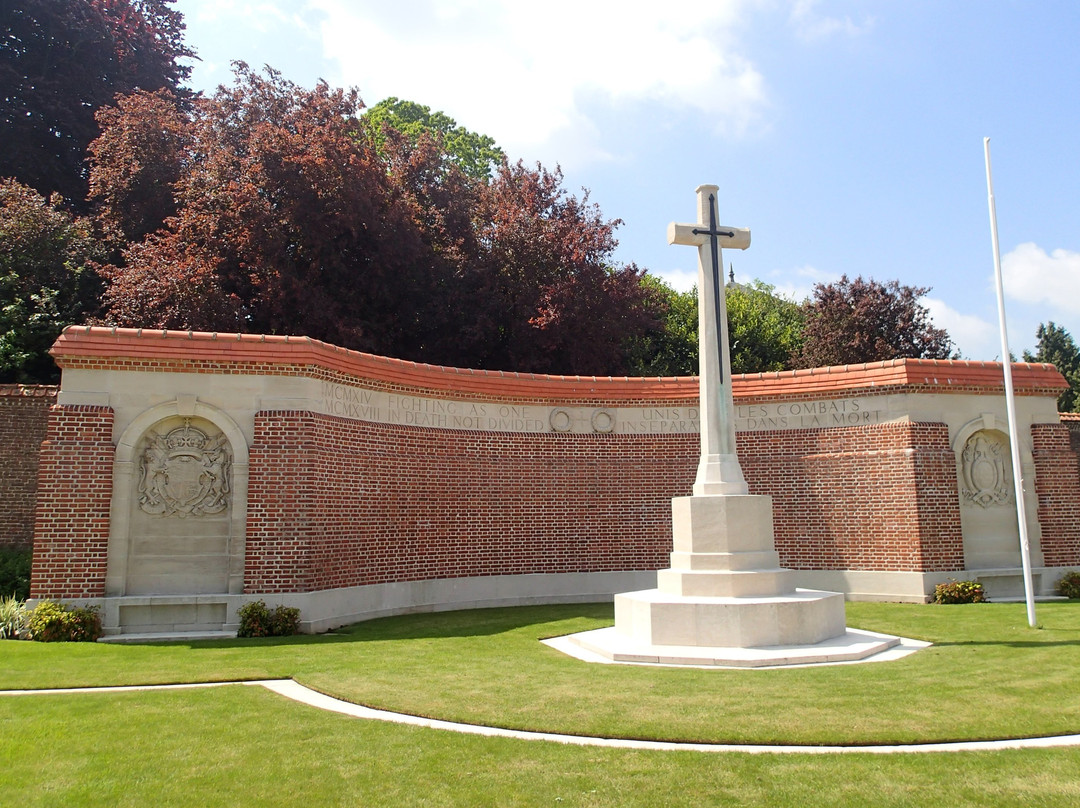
x: 173, y: 345
x: 28, y: 390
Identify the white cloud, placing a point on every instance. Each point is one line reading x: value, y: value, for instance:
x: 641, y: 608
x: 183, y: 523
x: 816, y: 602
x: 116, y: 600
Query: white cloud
x: 262, y: 16
x: 1030, y: 275
x: 681, y: 280
x: 283, y: 34
x: 523, y: 72
x: 798, y: 284
x: 974, y: 337
x: 810, y: 25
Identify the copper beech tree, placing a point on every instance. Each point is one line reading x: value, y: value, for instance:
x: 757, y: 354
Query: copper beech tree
x: 855, y: 321
x: 268, y: 208
x: 285, y: 221
x: 60, y: 62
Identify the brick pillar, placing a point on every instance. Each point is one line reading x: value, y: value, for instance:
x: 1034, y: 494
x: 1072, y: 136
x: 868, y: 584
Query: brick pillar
x: 1057, y: 486
x: 279, y: 525
x: 71, y: 528
x: 937, y: 497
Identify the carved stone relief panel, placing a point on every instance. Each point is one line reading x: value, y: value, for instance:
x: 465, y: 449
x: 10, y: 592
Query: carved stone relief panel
x: 184, y: 473
x: 985, y: 470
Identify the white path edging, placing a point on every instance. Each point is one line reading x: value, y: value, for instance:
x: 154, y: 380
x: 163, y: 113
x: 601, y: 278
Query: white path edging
x: 297, y: 692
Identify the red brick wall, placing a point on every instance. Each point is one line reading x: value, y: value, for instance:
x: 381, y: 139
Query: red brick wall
x: 337, y: 503
x: 24, y: 416
x: 1071, y: 421
x: 871, y: 498
x: 375, y: 503
x: 1057, y: 485
x: 71, y: 534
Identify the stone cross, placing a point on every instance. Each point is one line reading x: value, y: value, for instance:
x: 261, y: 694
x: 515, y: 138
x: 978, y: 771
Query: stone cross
x: 718, y: 470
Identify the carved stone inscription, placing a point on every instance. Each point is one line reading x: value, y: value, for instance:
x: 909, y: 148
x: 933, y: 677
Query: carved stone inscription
x: 392, y: 408
x: 184, y: 473
x: 351, y: 402
x: 808, y: 414
x: 416, y: 411
x: 649, y: 420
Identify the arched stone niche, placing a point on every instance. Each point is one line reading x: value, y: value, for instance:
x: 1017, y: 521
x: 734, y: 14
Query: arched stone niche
x: 179, y: 503
x: 987, y: 495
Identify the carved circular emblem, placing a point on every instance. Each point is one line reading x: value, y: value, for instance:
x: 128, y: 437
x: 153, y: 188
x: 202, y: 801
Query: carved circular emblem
x: 560, y: 420
x: 184, y: 473
x: 603, y: 421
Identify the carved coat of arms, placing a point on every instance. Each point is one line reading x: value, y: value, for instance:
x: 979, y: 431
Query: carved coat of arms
x: 184, y: 473
x: 985, y: 474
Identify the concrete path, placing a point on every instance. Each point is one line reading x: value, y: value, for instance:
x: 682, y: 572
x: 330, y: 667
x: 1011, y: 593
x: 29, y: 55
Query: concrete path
x: 297, y: 692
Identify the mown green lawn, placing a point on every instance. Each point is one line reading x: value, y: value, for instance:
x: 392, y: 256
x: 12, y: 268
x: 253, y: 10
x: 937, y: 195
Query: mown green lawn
x: 987, y: 676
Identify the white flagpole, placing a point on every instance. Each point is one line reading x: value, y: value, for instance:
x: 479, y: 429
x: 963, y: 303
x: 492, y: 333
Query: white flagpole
x: 1010, y: 401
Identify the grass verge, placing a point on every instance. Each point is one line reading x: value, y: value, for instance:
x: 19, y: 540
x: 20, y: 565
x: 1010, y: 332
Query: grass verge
x: 987, y: 676
x: 242, y: 746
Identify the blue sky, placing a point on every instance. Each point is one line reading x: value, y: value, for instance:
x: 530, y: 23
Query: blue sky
x: 848, y: 136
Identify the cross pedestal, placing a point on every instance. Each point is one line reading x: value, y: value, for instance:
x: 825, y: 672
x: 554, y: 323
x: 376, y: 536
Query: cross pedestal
x: 724, y: 600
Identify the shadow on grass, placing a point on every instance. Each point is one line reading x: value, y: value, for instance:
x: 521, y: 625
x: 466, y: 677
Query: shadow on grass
x: 425, y: 625
x: 1009, y: 643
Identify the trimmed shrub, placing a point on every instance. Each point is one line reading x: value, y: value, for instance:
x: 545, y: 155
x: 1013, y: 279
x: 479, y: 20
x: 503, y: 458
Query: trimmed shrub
x: 1069, y: 585
x: 14, y: 618
x: 256, y: 620
x: 959, y: 592
x: 15, y: 572
x: 284, y: 621
x: 61, y: 622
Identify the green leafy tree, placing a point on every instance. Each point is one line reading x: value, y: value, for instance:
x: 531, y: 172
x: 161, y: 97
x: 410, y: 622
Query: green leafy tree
x: 60, y: 62
x: 671, y: 347
x: 1057, y: 347
x: 765, y: 329
x: 45, y: 284
x: 476, y: 155
x: 855, y: 321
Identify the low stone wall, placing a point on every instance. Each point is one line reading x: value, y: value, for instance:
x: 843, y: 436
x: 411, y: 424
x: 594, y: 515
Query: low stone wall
x: 24, y: 415
x: 354, y: 485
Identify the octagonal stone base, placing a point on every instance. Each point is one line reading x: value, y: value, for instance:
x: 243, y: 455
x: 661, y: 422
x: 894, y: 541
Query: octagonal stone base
x: 608, y: 645
x: 798, y: 617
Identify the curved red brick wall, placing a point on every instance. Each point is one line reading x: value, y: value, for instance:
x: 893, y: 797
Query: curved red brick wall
x: 336, y: 502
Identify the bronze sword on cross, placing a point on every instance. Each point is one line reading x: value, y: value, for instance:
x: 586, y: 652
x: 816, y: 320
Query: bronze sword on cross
x: 692, y: 234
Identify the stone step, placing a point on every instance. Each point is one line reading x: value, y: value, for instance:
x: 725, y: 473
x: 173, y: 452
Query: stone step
x: 169, y: 636
x: 725, y: 583
x: 726, y: 562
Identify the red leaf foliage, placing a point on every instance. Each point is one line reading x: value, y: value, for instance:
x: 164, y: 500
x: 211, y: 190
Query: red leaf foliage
x: 267, y: 208
x: 855, y: 321
x: 60, y: 62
